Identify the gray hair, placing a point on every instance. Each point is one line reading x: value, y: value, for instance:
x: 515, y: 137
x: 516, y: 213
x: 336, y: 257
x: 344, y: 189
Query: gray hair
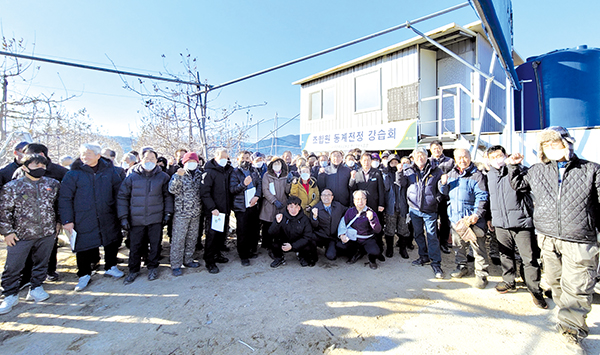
x: 363, y: 192
x: 94, y: 147
x: 64, y: 159
x: 419, y: 150
x: 219, y: 151
x: 130, y: 158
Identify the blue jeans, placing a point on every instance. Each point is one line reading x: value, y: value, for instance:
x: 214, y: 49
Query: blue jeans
x: 430, y: 247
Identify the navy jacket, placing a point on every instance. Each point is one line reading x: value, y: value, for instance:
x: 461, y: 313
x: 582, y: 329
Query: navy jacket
x: 336, y: 179
x: 89, y: 200
x: 423, y: 190
x: 326, y: 225
x: 468, y: 195
x: 144, y: 197
x: 238, y: 188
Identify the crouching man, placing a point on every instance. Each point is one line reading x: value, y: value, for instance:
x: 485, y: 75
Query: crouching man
x: 28, y: 210
x: 292, y: 231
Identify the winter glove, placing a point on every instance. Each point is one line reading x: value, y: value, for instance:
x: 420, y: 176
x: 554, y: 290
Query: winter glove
x: 166, y: 219
x: 125, y: 224
x: 278, y: 204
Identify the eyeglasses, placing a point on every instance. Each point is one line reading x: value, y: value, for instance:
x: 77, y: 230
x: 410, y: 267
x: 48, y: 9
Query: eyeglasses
x: 326, y: 195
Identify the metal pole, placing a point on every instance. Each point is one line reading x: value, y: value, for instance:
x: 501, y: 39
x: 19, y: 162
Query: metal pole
x: 344, y: 45
x: 455, y: 56
x: 486, y: 95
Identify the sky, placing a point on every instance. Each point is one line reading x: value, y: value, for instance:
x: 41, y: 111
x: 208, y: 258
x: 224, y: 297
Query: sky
x: 231, y: 39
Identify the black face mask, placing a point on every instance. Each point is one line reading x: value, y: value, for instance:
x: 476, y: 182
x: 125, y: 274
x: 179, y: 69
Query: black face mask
x: 245, y: 165
x: 37, y: 173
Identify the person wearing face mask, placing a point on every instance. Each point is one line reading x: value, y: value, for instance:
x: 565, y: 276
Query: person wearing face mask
x: 320, y: 166
x: 566, y: 192
x: 28, y: 220
x: 396, y: 208
x: 185, y: 187
x: 87, y: 205
x: 245, y: 179
x: 145, y: 206
x: 350, y: 162
x: 369, y: 179
x: 513, y: 224
x: 306, y: 189
x: 258, y: 163
x: 336, y: 177
x: 216, y: 199
x: 6, y: 173
x: 274, y: 186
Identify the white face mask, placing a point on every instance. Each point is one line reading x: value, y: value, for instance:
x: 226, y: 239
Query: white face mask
x: 497, y: 163
x: 350, y: 163
x: 555, y: 154
x: 277, y: 167
x: 384, y: 162
x: 324, y: 164
x: 222, y: 162
x: 375, y: 164
x: 305, y: 176
x: 258, y: 165
x: 149, y: 166
x: 190, y: 165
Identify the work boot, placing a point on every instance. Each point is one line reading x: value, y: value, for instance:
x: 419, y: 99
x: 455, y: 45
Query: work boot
x: 403, y: 252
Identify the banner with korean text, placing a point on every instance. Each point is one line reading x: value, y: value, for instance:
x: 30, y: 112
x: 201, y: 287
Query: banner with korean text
x: 392, y: 136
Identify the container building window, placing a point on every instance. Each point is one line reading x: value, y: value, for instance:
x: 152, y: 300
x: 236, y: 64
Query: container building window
x: 367, y: 92
x: 322, y: 104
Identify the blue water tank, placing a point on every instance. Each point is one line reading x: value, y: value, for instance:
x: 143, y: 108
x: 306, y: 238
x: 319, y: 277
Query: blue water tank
x: 565, y: 89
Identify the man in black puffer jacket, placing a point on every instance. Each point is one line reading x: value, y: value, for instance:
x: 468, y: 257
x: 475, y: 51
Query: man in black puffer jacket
x: 512, y: 222
x: 291, y: 231
x: 246, y: 180
x: 144, y: 206
x: 216, y: 199
x: 566, y: 190
x: 336, y: 177
x: 87, y: 204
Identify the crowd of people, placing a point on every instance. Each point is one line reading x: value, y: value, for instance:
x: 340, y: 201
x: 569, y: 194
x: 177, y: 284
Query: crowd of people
x: 354, y: 205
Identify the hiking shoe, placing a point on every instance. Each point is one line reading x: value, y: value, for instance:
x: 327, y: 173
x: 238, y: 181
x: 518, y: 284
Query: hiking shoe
x: 177, y: 272
x: 245, y: 262
x: 437, y: 271
x: 114, y: 272
x: 192, y: 265
x: 539, y: 301
x: 421, y: 261
x: 8, y: 303
x: 221, y: 259
x: 505, y: 287
x: 131, y: 277
x: 37, y: 294
x: 212, y: 268
x: 152, y: 274
x: 481, y: 282
x: 460, y: 271
x: 278, y: 262
x: 52, y: 276
x: 83, y: 282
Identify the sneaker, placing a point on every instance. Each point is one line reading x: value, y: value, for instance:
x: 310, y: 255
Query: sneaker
x: 505, y: 287
x: 131, y: 277
x: 460, y: 271
x: 373, y: 265
x: 571, y: 339
x: 539, y: 301
x: 114, y: 272
x: 437, y: 271
x: 444, y: 249
x: 37, y: 294
x: 421, y: 261
x: 278, y: 262
x: 212, y: 268
x: 193, y: 264
x: 8, y: 303
x: 152, y: 274
x: 177, y: 272
x: 52, y: 276
x: 83, y: 282
x: 245, y: 262
x: 481, y: 282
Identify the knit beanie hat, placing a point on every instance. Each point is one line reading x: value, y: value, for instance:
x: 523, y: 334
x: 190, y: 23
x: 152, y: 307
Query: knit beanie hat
x: 190, y: 156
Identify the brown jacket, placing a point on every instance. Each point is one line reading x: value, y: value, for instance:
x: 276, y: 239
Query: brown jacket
x: 268, y: 210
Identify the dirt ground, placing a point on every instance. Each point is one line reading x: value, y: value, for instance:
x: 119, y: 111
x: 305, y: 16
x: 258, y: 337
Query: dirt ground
x: 332, y: 308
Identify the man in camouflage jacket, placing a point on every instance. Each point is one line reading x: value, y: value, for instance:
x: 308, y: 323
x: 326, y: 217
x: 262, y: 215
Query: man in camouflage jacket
x: 28, y: 217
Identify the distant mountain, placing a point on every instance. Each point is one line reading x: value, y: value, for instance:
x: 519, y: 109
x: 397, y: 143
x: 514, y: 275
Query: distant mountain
x: 125, y: 142
x: 276, y: 146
